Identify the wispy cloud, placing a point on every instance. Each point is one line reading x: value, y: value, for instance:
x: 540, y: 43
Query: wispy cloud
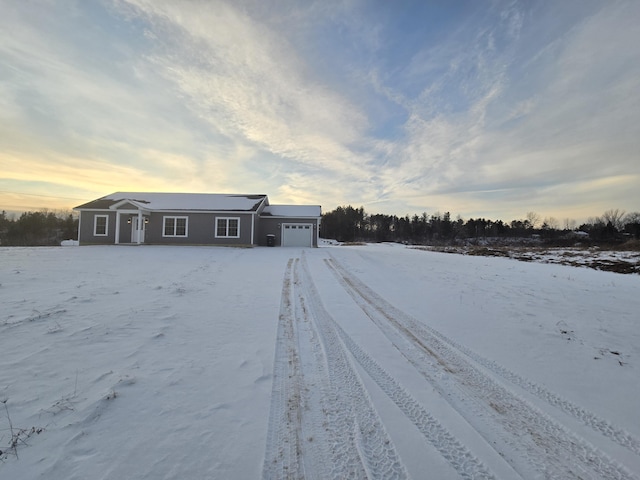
x: 482, y: 109
x: 510, y: 136
x: 248, y: 83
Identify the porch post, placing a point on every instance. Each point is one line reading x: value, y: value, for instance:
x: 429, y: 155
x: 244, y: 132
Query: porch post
x: 117, y: 227
x: 140, y: 226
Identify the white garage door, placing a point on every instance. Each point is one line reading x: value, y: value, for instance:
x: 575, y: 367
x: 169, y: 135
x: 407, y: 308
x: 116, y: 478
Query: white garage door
x: 297, y: 235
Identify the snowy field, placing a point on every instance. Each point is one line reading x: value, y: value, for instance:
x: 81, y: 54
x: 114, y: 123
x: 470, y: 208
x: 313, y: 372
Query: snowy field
x: 619, y: 261
x: 374, y: 361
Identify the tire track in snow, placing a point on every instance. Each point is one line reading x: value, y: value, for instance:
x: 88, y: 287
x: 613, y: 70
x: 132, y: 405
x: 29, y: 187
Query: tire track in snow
x: 612, y: 432
x: 330, y: 431
x: 376, y: 450
x: 558, y: 453
x: 456, y: 454
x: 283, y: 452
x: 604, y: 427
x: 322, y: 423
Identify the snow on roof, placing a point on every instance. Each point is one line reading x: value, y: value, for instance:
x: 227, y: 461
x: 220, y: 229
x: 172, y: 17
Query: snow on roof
x: 292, y: 211
x: 181, y: 201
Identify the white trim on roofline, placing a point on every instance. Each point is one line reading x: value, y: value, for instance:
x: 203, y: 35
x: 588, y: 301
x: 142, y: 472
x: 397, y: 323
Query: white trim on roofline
x: 183, y: 212
x: 139, y: 205
x: 291, y: 216
x: 220, y: 212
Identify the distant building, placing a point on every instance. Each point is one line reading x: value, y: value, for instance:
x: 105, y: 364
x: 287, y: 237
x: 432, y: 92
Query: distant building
x: 196, y: 219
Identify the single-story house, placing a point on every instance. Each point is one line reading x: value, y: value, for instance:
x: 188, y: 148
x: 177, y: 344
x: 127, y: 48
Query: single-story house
x: 196, y: 219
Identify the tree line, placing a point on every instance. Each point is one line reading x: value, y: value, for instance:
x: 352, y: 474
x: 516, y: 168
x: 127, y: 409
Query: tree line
x: 349, y: 224
x: 37, y: 228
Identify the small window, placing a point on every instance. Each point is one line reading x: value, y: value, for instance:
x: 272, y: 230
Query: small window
x: 175, y: 227
x: 227, y: 227
x: 101, y: 225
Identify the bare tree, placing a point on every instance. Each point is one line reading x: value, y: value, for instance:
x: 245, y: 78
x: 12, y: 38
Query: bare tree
x: 633, y: 217
x: 552, y: 223
x: 533, y: 218
x: 569, y: 224
x: 594, y: 221
x: 632, y: 224
x: 614, y: 217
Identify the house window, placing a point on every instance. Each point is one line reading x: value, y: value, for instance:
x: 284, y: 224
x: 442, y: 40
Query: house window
x: 227, y: 227
x: 100, y: 225
x: 175, y: 227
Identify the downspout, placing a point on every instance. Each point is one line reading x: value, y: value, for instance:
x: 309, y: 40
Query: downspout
x: 253, y: 224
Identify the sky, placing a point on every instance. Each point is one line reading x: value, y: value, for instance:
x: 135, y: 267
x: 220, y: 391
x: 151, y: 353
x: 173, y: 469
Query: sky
x: 480, y: 108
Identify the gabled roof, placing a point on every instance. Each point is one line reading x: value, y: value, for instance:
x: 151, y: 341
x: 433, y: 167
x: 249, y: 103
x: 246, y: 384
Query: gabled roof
x: 180, y: 201
x: 299, y: 211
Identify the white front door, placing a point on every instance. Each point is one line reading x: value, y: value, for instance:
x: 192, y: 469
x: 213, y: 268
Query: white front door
x: 137, y: 230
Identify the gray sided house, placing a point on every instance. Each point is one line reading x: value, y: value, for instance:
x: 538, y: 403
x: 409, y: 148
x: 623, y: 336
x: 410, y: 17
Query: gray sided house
x: 196, y: 219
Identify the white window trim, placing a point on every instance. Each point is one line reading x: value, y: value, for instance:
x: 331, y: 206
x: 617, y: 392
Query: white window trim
x: 175, y: 218
x: 95, y: 226
x: 227, y: 229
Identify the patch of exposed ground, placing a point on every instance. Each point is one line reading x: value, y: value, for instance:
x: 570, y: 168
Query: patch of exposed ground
x: 620, y: 260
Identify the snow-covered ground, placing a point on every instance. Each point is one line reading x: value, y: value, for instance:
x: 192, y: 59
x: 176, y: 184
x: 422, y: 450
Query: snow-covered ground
x: 619, y: 261
x: 375, y: 361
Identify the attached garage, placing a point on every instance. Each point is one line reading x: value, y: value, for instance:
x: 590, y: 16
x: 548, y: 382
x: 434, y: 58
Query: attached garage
x: 290, y: 225
x: 297, y: 234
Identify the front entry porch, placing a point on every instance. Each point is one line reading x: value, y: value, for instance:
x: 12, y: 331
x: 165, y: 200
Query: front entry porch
x: 131, y: 226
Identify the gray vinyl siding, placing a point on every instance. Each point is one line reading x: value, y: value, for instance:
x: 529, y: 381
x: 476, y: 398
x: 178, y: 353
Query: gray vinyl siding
x: 125, y: 229
x: 200, y: 229
x: 87, y: 225
x: 269, y: 226
x: 273, y: 226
